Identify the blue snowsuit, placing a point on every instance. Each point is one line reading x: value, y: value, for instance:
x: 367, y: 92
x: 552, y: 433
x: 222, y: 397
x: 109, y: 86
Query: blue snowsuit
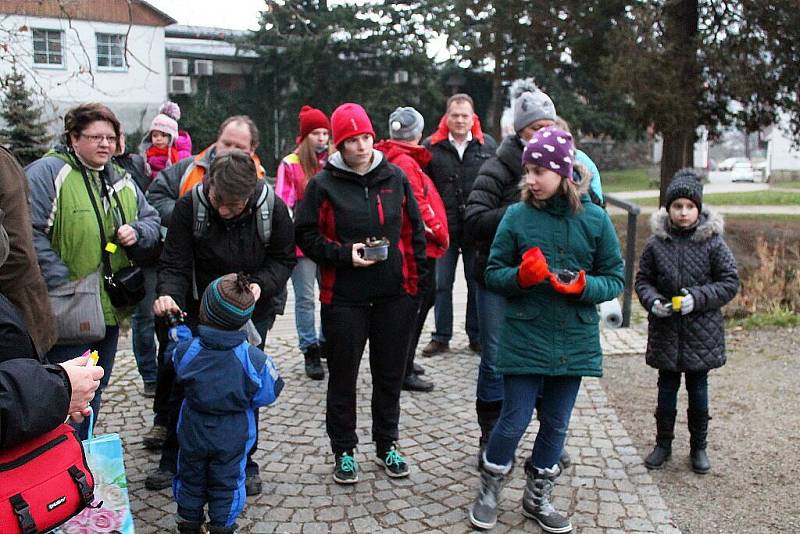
x: 225, y: 379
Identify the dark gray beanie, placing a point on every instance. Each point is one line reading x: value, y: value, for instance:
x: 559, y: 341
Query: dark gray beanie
x: 685, y: 184
x: 405, y: 123
x: 530, y: 107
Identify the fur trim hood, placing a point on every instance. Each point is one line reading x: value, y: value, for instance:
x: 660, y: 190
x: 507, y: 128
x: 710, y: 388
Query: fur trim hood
x: 711, y: 223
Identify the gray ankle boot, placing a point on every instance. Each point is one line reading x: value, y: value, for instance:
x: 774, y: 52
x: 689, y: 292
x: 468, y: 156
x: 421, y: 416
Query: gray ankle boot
x: 536, y: 499
x: 483, y: 513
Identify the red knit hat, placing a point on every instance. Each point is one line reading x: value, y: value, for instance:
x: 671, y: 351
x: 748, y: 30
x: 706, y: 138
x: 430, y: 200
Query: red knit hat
x: 310, y: 120
x: 350, y: 120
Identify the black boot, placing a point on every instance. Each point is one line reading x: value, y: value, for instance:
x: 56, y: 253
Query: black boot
x: 213, y: 529
x: 189, y: 527
x: 698, y: 430
x: 665, y: 433
x: 488, y: 414
x: 314, y: 369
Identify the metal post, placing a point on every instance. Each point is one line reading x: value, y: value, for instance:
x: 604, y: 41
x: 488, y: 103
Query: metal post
x: 630, y: 253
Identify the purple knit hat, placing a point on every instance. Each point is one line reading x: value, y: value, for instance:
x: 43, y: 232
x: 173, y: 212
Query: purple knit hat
x: 552, y: 149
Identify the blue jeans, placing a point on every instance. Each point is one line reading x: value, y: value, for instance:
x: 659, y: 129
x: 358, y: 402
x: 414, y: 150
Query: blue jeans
x: 107, y: 349
x: 304, y: 275
x: 491, y: 312
x: 669, y: 382
x: 445, y: 277
x: 555, y: 408
x: 143, y: 329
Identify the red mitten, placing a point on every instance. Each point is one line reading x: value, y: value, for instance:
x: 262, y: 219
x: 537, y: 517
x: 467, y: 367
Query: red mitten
x: 533, y: 269
x: 573, y: 288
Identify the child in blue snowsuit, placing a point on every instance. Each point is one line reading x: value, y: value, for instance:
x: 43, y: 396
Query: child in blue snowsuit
x: 224, y: 379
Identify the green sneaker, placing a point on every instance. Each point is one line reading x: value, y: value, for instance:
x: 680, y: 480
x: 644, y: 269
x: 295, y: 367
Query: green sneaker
x: 393, y: 462
x: 346, y: 469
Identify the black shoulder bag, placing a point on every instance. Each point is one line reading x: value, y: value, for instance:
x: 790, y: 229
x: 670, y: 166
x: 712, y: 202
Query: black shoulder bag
x: 125, y: 287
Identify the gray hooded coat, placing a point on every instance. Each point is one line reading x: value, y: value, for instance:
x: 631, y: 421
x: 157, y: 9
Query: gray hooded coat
x: 699, y: 260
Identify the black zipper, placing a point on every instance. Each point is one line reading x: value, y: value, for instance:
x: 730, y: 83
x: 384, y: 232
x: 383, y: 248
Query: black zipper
x: 33, y: 454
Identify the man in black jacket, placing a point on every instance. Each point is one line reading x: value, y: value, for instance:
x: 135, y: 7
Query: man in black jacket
x: 458, y: 149
x: 231, y: 243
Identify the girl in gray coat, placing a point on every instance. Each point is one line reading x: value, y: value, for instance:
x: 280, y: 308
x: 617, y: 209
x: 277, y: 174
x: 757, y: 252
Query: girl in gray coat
x: 686, y: 274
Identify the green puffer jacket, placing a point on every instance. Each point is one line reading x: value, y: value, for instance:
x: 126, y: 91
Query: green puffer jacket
x: 546, y: 332
x: 65, y: 232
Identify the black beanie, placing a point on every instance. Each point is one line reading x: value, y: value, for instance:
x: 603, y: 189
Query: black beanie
x: 685, y: 184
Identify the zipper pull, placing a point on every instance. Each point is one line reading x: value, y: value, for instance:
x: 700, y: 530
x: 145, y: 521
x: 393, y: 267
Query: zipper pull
x: 366, y: 193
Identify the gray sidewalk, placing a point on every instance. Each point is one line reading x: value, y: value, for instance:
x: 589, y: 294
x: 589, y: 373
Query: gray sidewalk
x: 607, y: 490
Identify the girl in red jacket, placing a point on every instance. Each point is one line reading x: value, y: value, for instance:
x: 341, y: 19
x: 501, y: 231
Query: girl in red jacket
x: 404, y: 150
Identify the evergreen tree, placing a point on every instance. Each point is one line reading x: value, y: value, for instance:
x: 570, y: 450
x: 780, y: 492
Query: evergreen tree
x: 25, y: 133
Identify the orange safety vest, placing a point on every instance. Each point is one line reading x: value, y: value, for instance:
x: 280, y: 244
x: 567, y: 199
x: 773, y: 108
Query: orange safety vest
x: 195, y: 173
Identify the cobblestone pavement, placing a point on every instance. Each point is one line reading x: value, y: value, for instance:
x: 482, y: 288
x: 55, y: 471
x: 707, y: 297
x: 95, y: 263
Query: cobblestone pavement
x: 607, y: 490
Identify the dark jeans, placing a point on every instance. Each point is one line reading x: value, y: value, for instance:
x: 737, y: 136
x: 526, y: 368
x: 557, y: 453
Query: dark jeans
x: 347, y: 329
x: 172, y: 405
x: 426, y: 301
x: 107, y: 350
x: 445, y: 278
x: 491, y: 315
x: 142, y: 330
x: 669, y: 382
x: 558, y: 395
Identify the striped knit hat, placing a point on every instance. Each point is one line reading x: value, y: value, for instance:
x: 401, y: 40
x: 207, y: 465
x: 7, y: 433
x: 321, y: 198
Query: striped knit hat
x: 227, y: 302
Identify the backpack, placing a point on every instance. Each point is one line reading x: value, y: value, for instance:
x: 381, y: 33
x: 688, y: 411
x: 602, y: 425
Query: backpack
x: 44, y: 482
x: 265, y: 204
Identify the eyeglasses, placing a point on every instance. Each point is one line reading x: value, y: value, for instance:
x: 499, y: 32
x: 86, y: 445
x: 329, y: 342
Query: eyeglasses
x: 97, y: 139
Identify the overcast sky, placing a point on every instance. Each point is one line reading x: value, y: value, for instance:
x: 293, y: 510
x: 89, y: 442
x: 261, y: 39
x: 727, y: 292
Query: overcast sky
x: 241, y: 15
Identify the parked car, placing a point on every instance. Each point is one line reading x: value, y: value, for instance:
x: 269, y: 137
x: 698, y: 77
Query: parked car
x: 742, y: 171
x: 728, y: 163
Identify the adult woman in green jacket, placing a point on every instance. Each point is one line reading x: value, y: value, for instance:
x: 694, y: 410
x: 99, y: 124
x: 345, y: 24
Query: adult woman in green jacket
x: 555, y: 257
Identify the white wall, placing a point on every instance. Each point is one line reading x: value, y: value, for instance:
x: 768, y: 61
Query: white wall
x: 133, y: 93
x: 781, y: 156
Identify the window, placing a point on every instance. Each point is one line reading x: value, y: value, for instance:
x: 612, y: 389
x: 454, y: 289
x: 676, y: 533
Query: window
x: 178, y: 66
x: 48, y: 46
x: 111, y: 51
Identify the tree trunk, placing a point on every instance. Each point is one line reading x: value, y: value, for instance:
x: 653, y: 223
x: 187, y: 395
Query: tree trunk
x: 677, y: 153
x: 492, y: 124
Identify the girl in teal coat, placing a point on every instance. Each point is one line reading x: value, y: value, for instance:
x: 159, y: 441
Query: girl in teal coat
x: 555, y: 257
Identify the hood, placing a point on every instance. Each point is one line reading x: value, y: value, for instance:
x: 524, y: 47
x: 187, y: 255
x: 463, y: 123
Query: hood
x: 394, y: 149
x: 338, y: 161
x: 711, y: 223
x: 216, y: 338
x: 510, y: 152
x: 442, y: 133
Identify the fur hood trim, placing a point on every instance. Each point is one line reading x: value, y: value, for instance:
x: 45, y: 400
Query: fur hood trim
x: 711, y: 223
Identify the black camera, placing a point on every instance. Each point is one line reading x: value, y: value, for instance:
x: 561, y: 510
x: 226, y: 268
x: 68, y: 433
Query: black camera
x: 175, y: 318
x: 565, y: 276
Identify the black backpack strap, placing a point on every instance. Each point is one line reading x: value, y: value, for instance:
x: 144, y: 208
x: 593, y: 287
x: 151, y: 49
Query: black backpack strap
x: 200, y: 211
x: 265, y: 205
x: 23, y: 512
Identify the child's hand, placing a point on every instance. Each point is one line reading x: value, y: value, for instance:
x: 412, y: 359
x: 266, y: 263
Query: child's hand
x: 687, y: 305
x: 661, y: 310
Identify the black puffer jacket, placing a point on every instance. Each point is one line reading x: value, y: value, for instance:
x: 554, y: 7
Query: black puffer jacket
x: 454, y: 176
x: 494, y: 190
x: 698, y: 260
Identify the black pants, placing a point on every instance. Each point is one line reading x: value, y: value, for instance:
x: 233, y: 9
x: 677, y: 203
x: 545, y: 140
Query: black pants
x: 426, y: 302
x: 171, y: 405
x: 347, y: 329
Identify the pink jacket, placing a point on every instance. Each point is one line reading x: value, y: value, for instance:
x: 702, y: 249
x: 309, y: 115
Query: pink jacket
x: 289, y: 182
x: 184, y: 144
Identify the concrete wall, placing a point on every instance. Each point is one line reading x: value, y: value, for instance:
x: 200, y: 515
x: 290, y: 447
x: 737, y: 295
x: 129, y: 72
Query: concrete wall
x: 782, y: 158
x: 133, y: 92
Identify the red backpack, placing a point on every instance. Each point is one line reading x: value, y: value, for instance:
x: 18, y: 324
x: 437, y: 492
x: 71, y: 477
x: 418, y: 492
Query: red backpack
x: 43, y: 482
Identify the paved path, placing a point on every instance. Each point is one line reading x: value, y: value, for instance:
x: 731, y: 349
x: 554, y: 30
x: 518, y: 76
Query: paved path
x: 607, y: 490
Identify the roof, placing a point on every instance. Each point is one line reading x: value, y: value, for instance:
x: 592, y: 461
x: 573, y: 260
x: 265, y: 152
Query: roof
x: 206, y: 49
x: 136, y: 12
x: 205, y: 32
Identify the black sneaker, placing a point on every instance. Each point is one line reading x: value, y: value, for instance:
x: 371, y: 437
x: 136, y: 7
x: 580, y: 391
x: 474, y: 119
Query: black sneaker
x: 252, y: 485
x: 393, y: 462
x: 314, y: 369
x: 414, y: 382
x: 149, y: 390
x: 346, y: 469
x: 155, y: 437
x: 159, y: 479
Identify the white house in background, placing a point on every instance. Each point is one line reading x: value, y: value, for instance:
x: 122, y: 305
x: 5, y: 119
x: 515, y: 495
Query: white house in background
x: 110, y: 51
x: 783, y: 159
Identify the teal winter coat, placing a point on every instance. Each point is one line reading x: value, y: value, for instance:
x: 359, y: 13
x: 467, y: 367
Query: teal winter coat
x: 546, y: 332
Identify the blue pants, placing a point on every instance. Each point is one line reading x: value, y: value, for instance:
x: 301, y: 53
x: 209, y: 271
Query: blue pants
x: 304, y: 275
x: 555, y: 408
x: 445, y: 278
x: 669, y: 382
x: 211, y: 464
x: 143, y: 329
x: 491, y: 312
x: 107, y: 350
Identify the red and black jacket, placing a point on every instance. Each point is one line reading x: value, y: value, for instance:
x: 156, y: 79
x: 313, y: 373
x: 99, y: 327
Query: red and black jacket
x: 340, y: 208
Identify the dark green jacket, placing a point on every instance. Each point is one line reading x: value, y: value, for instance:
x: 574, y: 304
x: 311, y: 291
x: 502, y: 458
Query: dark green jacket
x: 546, y: 332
